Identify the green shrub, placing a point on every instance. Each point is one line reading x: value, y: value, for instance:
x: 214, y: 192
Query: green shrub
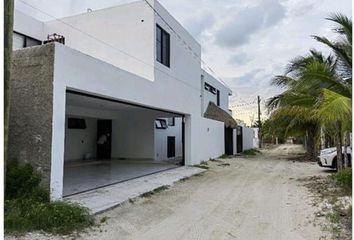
x: 344, y: 180
x: 27, y: 205
x: 23, y: 181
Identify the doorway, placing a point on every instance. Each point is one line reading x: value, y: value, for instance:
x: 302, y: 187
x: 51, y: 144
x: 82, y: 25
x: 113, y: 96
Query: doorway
x: 229, y: 143
x: 104, y: 139
x: 239, y: 136
x: 171, y: 146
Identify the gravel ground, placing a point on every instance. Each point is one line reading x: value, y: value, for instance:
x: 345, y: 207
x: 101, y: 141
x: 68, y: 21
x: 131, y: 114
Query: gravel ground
x: 247, y: 198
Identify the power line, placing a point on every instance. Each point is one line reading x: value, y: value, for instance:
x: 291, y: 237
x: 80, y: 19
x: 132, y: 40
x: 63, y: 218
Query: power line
x: 108, y: 44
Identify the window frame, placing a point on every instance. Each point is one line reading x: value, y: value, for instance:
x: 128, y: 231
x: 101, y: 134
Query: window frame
x: 162, y: 122
x: 25, y: 45
x: 160, y: 46
x: 172, y: 123
x: 218, y: 98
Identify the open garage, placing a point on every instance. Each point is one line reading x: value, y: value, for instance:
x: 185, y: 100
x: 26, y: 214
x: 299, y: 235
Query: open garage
x: 108, y: 141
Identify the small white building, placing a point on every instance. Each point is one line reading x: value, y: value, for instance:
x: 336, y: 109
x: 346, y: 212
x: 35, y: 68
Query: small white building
x: 111, y: 95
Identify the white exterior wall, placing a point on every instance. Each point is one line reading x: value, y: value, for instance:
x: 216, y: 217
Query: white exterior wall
x: 255, y: 138
x: 161, y: 140
x: 248, y: 135
x: 28, y: 26
x: 90, y: 66
x: 113, y: 29
x: 207, y: 96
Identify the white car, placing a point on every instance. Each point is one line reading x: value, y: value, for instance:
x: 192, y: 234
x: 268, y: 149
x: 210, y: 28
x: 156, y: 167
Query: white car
x: 328, y: 157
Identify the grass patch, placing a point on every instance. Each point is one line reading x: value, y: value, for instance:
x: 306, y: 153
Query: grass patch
x: 28, y: 208
x: 333, y: 196
x: 251, y: 152
x: 343, y: 179
x: 157, y: 190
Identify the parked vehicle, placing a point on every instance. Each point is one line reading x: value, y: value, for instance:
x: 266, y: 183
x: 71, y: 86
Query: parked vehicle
x: 328, y: 157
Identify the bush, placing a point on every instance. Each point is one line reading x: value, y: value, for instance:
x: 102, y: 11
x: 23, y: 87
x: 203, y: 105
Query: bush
x: 344, y: 180
x: 27, y: 205
x: 23, y: 181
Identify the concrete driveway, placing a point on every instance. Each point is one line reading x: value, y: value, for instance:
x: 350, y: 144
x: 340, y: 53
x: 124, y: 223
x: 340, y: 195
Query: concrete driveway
x: 252, y: 198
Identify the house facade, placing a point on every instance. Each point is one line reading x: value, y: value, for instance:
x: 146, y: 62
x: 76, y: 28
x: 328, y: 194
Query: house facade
x: 123, y: 83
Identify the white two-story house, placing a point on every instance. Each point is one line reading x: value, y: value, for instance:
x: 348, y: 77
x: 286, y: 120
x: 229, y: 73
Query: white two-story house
x: 110, y: 95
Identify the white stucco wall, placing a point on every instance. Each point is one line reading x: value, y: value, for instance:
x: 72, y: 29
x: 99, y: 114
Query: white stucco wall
x: 79, y: 142
x: 88, y: 65
x: 128, y: 28
x: 207, y: 96
x: 161, y: 140
x: 28, y: 26
x: 255, y: 138
x: 248, y: 135
x: 211, y: 139
x: 77, y: 71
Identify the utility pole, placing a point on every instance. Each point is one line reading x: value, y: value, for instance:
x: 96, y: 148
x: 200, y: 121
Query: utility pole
x: 8, y: 32
x: 259, y: 123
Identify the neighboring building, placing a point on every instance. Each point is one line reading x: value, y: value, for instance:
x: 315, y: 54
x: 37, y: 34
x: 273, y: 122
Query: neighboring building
x: 255, y: 138
x: 246, y: 137
x: 124, y: 96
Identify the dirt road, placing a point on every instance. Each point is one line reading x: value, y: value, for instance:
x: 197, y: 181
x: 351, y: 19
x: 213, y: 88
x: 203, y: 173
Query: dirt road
x: 252, y: 198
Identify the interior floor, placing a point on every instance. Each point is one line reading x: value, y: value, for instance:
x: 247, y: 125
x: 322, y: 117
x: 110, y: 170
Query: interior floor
x: 84, y: 175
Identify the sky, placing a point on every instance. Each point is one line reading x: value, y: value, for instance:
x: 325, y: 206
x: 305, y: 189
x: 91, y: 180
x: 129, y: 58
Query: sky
x: 245, y: 42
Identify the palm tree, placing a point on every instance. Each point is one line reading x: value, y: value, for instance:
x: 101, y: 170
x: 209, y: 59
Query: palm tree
x: 299, y: 99
x: 315, y: 84
x: 334, y: 101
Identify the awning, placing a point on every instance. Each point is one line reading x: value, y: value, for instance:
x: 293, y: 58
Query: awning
x: 218, y: 114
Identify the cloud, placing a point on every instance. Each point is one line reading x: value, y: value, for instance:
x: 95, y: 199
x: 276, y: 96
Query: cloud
x: 248, y: 21
x: 240, y: 59
x: 197, y: 25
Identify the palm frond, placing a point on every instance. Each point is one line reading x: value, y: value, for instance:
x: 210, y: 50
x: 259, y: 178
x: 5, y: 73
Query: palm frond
x: 345, y: 25
x: 334, y: 106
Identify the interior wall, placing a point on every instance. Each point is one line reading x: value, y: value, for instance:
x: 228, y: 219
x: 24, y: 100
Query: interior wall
x: 79, y: 142
x: 161, y: 140
x: 132, y: 136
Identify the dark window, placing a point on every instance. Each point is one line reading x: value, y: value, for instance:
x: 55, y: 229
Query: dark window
x: 210, y: 88
x: 160, y: 124
x: 171, y: 121
x: 76, y: 123
x: 162, y: 46
x: 171, y: 146
x: 218, y: 97
x: 23, y: 41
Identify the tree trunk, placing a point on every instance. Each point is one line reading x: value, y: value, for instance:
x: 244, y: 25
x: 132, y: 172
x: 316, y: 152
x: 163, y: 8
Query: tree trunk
x: 8, y: 29
x: 339, y: 145
x: 345, y: 152
x: 310, y: 145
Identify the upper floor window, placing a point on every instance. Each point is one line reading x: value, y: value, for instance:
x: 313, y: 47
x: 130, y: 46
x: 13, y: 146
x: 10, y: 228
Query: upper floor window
x: 23, y: 41
x: 162, y: 46
x: 171, y: 121
x: 218, y: 97
x: 210, y: 88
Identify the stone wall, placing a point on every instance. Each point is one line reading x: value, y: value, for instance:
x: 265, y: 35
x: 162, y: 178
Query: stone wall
x: 31, y: 109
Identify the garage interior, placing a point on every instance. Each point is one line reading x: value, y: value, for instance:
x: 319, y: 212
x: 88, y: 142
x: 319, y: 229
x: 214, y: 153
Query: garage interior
x: 108, y: 141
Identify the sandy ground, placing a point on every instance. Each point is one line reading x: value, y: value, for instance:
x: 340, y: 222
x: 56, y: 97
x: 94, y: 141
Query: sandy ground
x: 252, y: 198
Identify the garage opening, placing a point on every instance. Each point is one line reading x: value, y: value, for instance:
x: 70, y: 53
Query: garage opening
x: 109, y: 141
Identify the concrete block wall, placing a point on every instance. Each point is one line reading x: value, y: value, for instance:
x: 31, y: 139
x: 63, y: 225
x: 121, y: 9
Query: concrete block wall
x: 31, y: 99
